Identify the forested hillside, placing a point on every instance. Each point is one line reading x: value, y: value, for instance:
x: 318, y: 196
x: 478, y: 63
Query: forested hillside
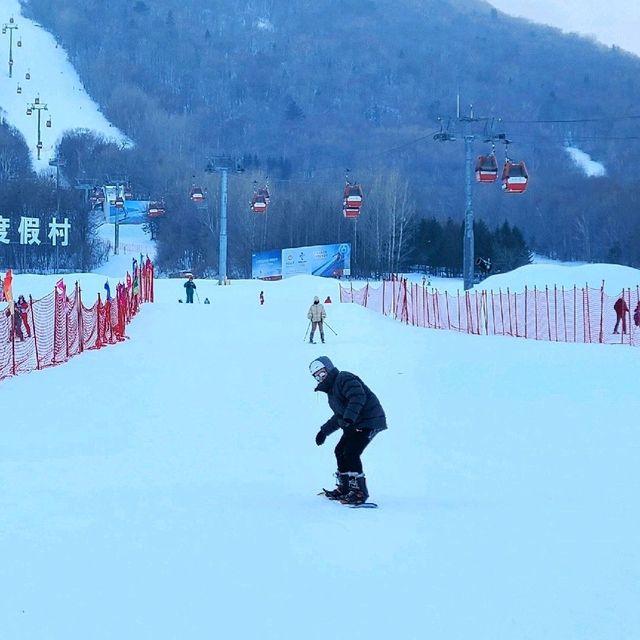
x: 303, y: 90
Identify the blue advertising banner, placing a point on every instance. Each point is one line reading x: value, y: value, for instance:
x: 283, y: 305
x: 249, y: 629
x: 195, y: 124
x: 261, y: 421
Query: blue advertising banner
x: 326, y: 260
x: 134, y: 212
x: 267, y: 265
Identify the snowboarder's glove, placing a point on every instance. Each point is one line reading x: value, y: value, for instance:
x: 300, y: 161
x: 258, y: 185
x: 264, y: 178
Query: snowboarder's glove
x: 345, y: 423
x: 320, y: 438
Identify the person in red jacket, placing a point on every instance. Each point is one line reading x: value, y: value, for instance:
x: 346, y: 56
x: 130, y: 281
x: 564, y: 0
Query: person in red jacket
x: 23, y: 305
x: 621, y: 310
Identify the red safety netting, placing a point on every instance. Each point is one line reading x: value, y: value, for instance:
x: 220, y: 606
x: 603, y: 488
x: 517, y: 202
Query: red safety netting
x: 59, y: 326
x: 556, y: 314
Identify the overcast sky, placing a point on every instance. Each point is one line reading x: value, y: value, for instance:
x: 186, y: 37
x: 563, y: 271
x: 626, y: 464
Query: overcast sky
x: 612, y: 22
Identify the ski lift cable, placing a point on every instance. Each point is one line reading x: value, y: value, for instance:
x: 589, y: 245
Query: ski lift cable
x: 525, y: 140
x: 574, y: 120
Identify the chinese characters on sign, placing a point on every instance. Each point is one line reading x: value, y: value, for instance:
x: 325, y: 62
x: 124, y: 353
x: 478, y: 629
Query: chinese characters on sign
x: 29, y: 231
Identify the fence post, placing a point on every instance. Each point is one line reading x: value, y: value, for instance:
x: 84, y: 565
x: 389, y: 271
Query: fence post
x: 425, y: 306
x: 12, y: 333
x: 526, y: 310
x: 35, y: 335
x: 601, y: 333
x: 55, y: 322
x: 99, y: 315
x: 585, y: 313
x: 546, y: 295
x: 555, y: 309
x: 80, y: 318
x: 493, y: 312
x: 405, y: 303
x: 66, y: 324
x: 393, y: 298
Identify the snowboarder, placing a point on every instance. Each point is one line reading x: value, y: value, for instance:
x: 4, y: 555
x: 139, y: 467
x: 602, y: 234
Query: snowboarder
x: 316, y: 314
x: 261, y: 298
x: 190, y: 286
x: 358, y: 412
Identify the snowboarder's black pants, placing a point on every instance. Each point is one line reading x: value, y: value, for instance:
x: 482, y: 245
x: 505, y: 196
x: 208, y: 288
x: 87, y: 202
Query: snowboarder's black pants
x: 350, y: 447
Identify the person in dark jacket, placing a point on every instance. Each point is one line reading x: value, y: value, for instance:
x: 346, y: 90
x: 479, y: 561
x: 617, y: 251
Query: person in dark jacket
x: 16, y: 322
x: 621, y: 309
x: 23, y: 305
x: 358, y: 412
x: 190, y: 286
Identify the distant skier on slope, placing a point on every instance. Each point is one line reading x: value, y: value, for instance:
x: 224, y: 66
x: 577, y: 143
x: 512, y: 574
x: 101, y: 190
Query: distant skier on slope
x: 190, y: 286
x: 358, y: 412
x: 316, y: 314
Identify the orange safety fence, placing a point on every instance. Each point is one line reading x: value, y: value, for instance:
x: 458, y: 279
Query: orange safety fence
x: 59, y: 326
x: 554, y: 313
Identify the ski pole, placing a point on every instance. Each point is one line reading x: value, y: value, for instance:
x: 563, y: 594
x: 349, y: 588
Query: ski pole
x: 197, y: 296
x: 306, y: 332
x: 330, y: 327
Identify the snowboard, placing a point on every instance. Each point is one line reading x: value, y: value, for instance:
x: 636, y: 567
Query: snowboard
x: 362, y: 505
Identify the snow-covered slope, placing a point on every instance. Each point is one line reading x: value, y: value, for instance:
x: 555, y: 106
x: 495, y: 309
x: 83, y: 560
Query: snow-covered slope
x: 53, y: 80
x: 165, y: 487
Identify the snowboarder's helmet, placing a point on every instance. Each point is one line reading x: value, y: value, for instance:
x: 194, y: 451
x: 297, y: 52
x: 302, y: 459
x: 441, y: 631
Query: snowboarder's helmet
x: 320, y: 368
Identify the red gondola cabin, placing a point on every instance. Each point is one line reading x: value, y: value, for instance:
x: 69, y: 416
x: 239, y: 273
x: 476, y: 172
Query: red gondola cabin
x: 258, y: 204
x: 487, y: 169
x: 196, y: 195
x: 515, y: 177
x: 156, y: 210
x: 260, y: 200
x: 353, y: 196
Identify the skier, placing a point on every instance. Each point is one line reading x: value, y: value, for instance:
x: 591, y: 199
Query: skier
x: 261, y: 298
x: 190, y: 286
x: 316, y: 314
x: 358, y: 412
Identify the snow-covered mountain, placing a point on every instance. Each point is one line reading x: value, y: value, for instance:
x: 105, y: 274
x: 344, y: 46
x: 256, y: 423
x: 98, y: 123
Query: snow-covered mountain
x: 53, y: 80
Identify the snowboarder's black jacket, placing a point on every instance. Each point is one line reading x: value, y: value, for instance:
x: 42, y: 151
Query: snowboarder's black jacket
x: 354, y: 405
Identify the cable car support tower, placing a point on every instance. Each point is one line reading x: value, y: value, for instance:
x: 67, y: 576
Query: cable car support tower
x: 468, y: 241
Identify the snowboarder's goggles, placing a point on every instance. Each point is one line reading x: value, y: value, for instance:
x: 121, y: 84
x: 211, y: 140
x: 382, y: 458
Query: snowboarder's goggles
x: 318, y: 370
x: 320, y: 375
